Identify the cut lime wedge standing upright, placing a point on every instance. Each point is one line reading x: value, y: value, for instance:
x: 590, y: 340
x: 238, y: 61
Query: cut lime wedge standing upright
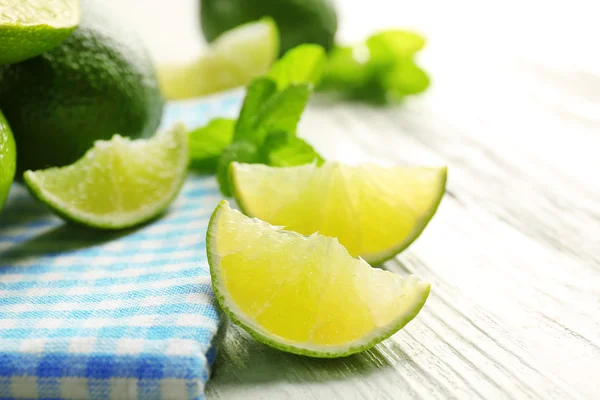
x: 233, y: 60
x: 29, y: 28
x: 375, y: 212
x: 304, y: 294
x: 118, y: 183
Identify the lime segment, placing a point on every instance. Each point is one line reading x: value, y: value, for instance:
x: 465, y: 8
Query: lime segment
x: 233, y: 60
x: 29, y: 28
x: 118, y: 183
x: 304, y: 294
x: 374, y: 211
x: 8, y: 159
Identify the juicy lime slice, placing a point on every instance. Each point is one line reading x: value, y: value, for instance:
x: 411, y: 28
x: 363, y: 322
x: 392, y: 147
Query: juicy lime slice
x: 304, y: 294
x: 8, y: 159
x: 118, y: 183
x: 29, y: 28
x: 374, y: 211
x: 234, y: 59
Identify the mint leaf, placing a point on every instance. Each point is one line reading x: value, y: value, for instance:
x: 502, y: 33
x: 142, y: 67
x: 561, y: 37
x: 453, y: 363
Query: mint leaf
x: 394, y: 44
x: 346, y: 68
x: 282, y: 149
x: 406, y: 78
x: 241, y: 151
x: 379, y: 70
x: 258, y: 92
x: 283, y: 110
x: 208, y: 142
x: 280, y: 112
x: 302, y: 64
x: 276, y: 102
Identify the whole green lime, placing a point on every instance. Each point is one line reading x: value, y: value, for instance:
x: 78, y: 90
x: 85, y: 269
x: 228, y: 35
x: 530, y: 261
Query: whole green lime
x: 98, y: 82
x: 299, y: 21
x: 8, y: 156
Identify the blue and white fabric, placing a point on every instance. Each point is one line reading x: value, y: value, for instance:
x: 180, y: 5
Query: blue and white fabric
x: 110, y: 315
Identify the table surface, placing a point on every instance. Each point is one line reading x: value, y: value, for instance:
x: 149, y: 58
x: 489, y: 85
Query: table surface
x: 513, y: 253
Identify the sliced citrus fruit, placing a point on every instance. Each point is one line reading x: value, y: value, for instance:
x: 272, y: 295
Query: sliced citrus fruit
x: 118, y: 183
x: 304, y: 294
x: 29, y: 28
x: 233, y: 60
x: 374, y: 211
x: 8, y: 159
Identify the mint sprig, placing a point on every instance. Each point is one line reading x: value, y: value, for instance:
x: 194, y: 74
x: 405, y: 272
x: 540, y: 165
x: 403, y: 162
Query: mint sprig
x: 265, y: 131
x: 380, y: 70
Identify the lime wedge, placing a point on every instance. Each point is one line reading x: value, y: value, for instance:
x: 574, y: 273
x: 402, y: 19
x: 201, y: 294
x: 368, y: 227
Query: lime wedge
x: 8, y: 159
x: 233, y: 60
x: 375, y: 212
x: 304, y: 294
x: 118, y: 183
x: 29, y: 28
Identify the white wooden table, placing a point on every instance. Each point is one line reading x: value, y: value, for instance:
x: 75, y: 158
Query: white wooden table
x: 514, y: 251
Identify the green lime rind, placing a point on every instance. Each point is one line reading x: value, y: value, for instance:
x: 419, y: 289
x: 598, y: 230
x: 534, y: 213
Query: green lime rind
x: 381, y: 257
x: 280, y: 343
x: 28, y: 29
x: 18, y: 43
x: 374, y: 258
x: 147, y: 210
x: 8, y: 157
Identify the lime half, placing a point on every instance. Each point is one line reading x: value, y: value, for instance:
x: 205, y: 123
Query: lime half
x: 31, y: 27
x: 118, y: 183
x: 8, y: 159
x: 233, y: 60
x: 374, y: 211
x: 304, y: 294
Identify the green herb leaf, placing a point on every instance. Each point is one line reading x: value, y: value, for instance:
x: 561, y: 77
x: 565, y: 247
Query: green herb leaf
x: 406, y: 78
x: 282, y: 149
x: 258, y: 92
x: 379, y: 70
x: 280, y: 112
x: 208, y: 142
x: 302, y: 64
x: 347, y: 67
x: 241, y: 151
x: 283, y: 111
x: 394, y: 44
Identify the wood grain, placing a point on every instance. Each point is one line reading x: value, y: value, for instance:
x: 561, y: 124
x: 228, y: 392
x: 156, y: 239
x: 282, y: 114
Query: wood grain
x: 513, y: 256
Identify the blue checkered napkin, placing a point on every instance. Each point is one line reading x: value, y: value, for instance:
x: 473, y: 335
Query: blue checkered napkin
x: 97, y: 315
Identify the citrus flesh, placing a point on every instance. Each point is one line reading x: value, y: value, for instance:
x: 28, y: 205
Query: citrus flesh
x: 374, y: 211
x: 117, y: 183
x: 8, y: 154
x: 233, y: 60
x: 29, y: 28
x: 304, y: 294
